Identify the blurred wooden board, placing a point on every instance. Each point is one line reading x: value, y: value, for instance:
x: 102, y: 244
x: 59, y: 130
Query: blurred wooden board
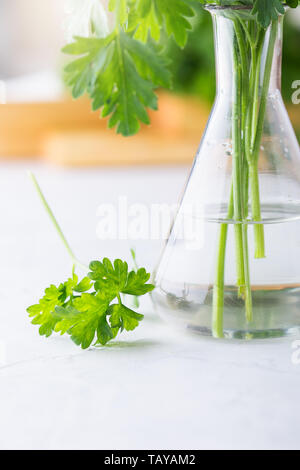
x: 98, y: 147
x: 69, y: 133
x: 24, y: 126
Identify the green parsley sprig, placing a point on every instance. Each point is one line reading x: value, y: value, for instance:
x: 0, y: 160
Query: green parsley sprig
x: 90, y: 311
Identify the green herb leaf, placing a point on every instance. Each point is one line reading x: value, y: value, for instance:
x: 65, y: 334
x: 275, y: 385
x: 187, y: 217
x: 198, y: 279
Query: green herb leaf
x: 91, y: 316
x: 292, y: 3
x: 116, y: 279
x: 137, y: 283
x: 120, y: 75
x: 267, y: 10
x: 43, y: 313
x: 81, y: 322
x: 81, y: 74
x: 152, y: 16
x: 124, y: 318
x: 120, y: 7
x: 84, y: 285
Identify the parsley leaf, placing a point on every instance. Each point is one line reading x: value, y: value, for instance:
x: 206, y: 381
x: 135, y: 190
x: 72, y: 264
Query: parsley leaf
x: 267, y: 10
x: 43, y: 313
x: 137, y: 283
x: 91, y: 316
x: 292, y: 3
x: 81, y: 74
x: 116, y: 279
x: 152, y: 16
x: 120, y: 7
x: 120, y: 75
x: 124, y: 318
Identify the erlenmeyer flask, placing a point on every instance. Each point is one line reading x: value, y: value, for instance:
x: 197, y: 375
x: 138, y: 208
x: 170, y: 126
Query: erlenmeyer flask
x: 231, y: 266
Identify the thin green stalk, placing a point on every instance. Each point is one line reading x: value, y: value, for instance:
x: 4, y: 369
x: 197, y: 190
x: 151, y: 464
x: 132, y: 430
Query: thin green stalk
x: 252, y: 112
x: 265, y: 89
x: 244, y: 66
x: 252, y: 104
x: 248, y: 292
x: 250, y: 131
x: 259, y: 233
x: 246, y: 31
x: 244, y: 90
x: 55, y: 223
x: 238, y: 176
x: 254, y: 180
x: 246, y: 189
x: 218, y: 291
x: 256, y: 53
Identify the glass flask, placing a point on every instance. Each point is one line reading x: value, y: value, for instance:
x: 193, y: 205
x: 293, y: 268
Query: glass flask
x: 231, y: 265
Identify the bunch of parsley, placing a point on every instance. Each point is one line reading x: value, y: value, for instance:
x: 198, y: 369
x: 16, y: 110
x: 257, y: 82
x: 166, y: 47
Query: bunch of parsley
x: 121, y: 71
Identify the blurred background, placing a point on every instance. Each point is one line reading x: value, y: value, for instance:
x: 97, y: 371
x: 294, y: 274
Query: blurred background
x: 41, y: 121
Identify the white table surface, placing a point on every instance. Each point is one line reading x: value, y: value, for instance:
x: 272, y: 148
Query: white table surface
x: 153, y: 389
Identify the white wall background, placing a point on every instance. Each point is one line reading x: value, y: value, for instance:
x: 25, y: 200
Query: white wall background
x: 31, y: 34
